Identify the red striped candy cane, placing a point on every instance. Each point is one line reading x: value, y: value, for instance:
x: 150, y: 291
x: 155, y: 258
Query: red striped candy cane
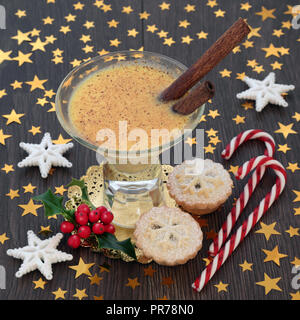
x: 249, y: 188
x: 250, y: 222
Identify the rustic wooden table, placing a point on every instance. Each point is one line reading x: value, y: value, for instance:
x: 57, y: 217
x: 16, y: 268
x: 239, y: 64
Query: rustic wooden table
x: 45, y: 39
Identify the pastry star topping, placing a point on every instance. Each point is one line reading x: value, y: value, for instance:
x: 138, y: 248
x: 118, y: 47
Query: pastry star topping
x: 39, y: 254
x: 45, y: 155
x: 265, y: 91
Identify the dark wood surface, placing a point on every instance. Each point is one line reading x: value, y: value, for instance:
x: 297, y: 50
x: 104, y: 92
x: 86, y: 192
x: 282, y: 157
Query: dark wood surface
x: 241, y: 285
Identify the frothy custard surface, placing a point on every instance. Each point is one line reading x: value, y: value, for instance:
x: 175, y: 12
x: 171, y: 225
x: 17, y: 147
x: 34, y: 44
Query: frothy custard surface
x: 126, y: 92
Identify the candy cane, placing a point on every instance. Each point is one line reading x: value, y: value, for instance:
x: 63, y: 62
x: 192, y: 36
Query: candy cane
x: 249, y: 188
x: 250, y: 135
x: 251, y: 221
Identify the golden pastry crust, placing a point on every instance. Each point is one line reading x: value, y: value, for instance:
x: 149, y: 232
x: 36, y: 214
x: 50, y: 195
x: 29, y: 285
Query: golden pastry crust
x: 169, y: 236
x: 200, y: 192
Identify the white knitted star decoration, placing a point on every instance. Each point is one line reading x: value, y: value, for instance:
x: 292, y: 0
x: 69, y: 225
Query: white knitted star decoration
x: 39, y: 254
x: 45, y: 155
x: 265, y: 91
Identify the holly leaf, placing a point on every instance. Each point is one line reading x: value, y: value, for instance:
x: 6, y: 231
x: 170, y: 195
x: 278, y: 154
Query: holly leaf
x: 53, y: 205
x: 109, y: 241
x: 82, y: 186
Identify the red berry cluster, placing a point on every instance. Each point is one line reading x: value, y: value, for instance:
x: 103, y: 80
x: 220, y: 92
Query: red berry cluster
x: 96, y: 221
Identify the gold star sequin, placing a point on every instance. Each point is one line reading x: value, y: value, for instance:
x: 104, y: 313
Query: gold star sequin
x: 13, y: 117
x: 39, y: 284
x: 132, y: 283
x: 266, y: 13
x: 273, y: 255
x: 268, y: 230
x: 3, y: 137
x: 59, y: 293
x: 82, y: 268
x: 269, y: 284
x: 80, y: 294
x: 13, y: 194
x: 3, y: 238
x: 285, y: 130
x: 293, y: 231
x: 30, y: 207
x: 221, y: 286
x: 246, y: 266
x: 23, y: 58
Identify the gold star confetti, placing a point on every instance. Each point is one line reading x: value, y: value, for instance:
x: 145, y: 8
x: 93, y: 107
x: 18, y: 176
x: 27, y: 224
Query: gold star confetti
x: 265, y: 13
x: 211, y: 3
x: 283, y: 148
x: 233, y: 169
x: 209, y: 149
x: 144, y: 15
x: 286, y: 24
x: 213, y: 113
x: 151, y: 28
x: 293, y: 231
x: 3, y: 137
x: 190, y: 141
x: 285, y: 130
x: 42, y: 101
x: 163, y: 298
x: 65, y: 29
x: 5, y: 56
x: 23, y: 58
x: 269, y: 284
x: 70, y: 17
x: 245, y: 6
x: 61, y: 140
x: 297, y: 211
x: 132, y: 283
x: 115, y: 42
x: 295, y: 296
x: 21, y: 13
x: 187, y: 39
x: 13, y: 194
x: 273, y: 255
x: 246, y: 266
x: 268, y: 230
x: 48, y: 20
x: 162, y: 34
x: 80, y: 294
x: 21, y: 37
x: 132, y: 32
x: 7, y: 167
x: 271, y: 51
x: 29, y: 188
x: 50, y: 39
x: 45, y: 229
x: 240, y: 76
x: 104, y: 268
x: 202, y: 35
x: 225, y: 73
x: 219, y: 13
x: 169, y: 41
x: 149, y: 271
x: 277, y: 33
x: 127, y: 9
x: 38, y: 45
x: 35, y: 32
x: 39, y: 284
x: 297, y: 196
x: 13, y: 117
x: 89, y: 24
x: 78, y: 6
x: 82, y: 268
x: 296, y: 262
x: 30, y: 207
x: 95, y: 279
x: 60, y: 190
x: 36, y: 83
x: 167, y: 281
x: 293, y: 166
x: 59, y: 293
x: 189, y: 8
x: 98, y: 298
x: 238, y: 119
x: 221, y: 286
x: 184, y: 24
x: 16, y: 85
x: 296, y: 116
x: 276, y: 65
x: 3, y: 238
x: 164, y: 6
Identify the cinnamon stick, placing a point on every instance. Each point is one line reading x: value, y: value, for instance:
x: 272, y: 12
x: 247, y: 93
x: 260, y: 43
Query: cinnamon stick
x: 218, y: 51
x: 195, y: 99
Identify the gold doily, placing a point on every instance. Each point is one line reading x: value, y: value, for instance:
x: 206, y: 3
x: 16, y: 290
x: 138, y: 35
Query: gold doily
x: 94, y: 182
